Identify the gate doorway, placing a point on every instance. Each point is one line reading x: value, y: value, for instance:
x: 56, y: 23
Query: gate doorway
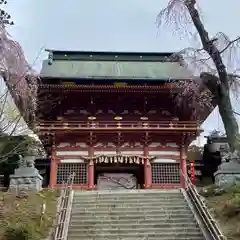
x: 119, y: 176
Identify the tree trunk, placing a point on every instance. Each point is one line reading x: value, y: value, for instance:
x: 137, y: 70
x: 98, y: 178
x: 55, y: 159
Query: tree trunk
x: 221, y: 93
x: 228, y: 118
x: 219, y: 86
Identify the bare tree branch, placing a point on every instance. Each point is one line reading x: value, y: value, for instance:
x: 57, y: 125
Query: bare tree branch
x: 229, y: 44
x: 19, y: 89
x: 236, y: 113
x: 214, y: 62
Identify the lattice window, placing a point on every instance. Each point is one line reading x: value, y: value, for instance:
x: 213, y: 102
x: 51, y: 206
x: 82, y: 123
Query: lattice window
x: 65, y: 169
x: 165, y: 173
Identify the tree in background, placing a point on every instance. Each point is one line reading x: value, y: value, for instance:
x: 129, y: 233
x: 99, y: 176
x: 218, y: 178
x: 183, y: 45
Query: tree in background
x: 18, y: 81
x: 216, y: 133
x: 195, y: 153
x: 215, y: 60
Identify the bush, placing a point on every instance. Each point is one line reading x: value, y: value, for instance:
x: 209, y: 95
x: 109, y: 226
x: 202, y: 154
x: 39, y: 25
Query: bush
x: 232, y: 207
x: 211, y: 191
x: 18, y: 232
x: 235, y: 189
x: 22, y: 218
x: 226, y: 209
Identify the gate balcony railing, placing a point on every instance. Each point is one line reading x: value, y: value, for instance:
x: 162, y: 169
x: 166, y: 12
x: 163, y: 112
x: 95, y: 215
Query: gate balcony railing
x: 124, y: 125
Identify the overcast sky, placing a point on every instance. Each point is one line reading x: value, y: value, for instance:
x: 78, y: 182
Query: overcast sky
x: 108, y: 25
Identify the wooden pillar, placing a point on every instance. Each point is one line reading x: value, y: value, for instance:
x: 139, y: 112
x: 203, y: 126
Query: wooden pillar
x: 183, y: 165
x: 147, y: 169
x: 91, y: 168
x: 53, y: 167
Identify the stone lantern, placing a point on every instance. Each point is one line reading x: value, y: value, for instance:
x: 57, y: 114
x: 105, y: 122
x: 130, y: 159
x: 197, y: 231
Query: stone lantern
x: 26, y: 177
x: 228, y: 172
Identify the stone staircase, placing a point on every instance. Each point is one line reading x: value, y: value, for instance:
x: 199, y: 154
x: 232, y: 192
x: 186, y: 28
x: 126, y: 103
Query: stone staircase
x: 132, y: 214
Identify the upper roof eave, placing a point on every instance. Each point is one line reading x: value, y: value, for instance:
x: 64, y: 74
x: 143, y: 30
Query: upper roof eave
x: 160, y: 54
x: 116, y: 78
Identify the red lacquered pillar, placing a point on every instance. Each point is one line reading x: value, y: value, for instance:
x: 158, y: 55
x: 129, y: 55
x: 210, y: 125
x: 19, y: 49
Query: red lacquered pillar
x: 90, y: 169
x: 183, y: 166
x: 147, y: 170
x: 53, y: 166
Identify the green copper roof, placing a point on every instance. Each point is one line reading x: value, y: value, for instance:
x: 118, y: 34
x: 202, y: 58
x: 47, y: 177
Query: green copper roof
x: 101, y: 65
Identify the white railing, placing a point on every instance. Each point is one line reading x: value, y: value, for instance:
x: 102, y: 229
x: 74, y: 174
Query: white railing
x: 209, y: 222
x: 64, y: 210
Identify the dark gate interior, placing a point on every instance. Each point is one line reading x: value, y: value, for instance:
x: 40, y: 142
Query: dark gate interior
x: 119, y: 176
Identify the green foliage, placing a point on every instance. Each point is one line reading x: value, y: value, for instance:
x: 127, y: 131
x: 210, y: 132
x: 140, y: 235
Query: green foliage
x: 233, y: 190
x: 232, y: 205
x: 10, y: 164
x: 14, y: 145
x: 225, y: 205
x: 10, y: 146
x: 19, y: 232
x: 211, y: 191
x: 22, y: 218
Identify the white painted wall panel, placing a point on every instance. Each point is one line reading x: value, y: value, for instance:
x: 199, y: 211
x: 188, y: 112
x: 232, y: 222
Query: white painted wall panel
x: 132, y: 152
x: 63, y: 144
x: 72, y: 153
x: 164, y: 160
x: 104, y: 152
x: 164, y: 153
x: 72, y: 160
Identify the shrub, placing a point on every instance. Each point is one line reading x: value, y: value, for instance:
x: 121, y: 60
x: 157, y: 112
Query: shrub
x: 211, y: 191
x: 22, y: 218
x: 18, y: 232
x: 232, y: 207
x: 235, y: 189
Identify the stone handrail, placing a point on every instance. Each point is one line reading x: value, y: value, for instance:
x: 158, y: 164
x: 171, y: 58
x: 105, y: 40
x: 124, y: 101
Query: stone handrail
x: 207, y: 219
x: 64, y: 210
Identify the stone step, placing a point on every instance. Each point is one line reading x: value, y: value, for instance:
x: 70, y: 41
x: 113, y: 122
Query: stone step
x: 110, y: 195
x: 129, y: 200
x: 120, y: 232
x: 131, y: 203
x: 150, y: 221
x: 128, y: 208
x: 130, y: 217
x: 140, y: 238
x: 142, y: 192
x: 132, y: 225
x: 125, y: 195
x: 132, y: 234
x: 131, y: 211
x: 142, y: 201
